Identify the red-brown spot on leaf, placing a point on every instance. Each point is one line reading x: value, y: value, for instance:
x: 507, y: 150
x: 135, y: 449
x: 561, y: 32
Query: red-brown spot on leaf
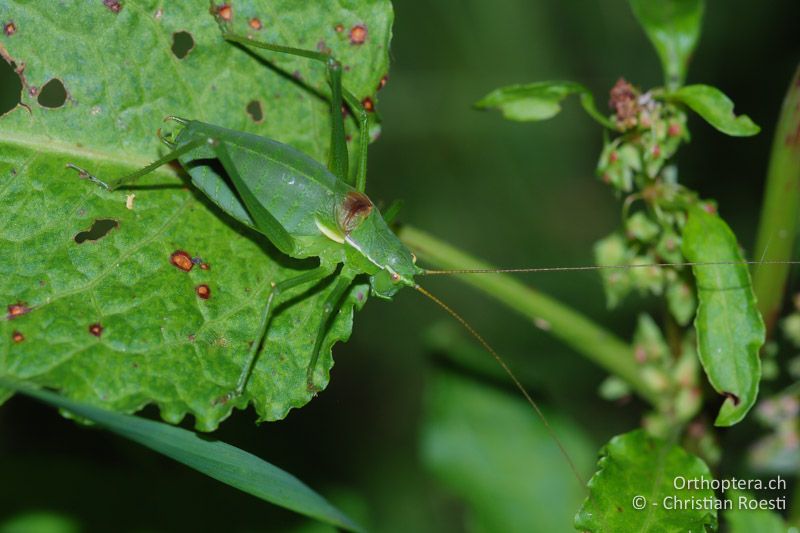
x: 369, y: 105
x: 9, y: 28
x: 205, y: 266
x: 383, y: 82
x: 17, y: 337
x: 17, y: 309
x: 358, y: 34
x: 225, y: 12
x: 709, y: 208
x: 732, y: 397
x: 255, y: 23
x: 674, y: 129
x: 339, y: 28
x: 182, y: 260
x: 96, y: 329
x: 203, y: 291
x: 113, y: 5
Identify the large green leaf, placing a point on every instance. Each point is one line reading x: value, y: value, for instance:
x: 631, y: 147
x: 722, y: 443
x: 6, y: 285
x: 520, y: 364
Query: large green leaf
x: 160, y: 341
x: 742, y: 519
x: 638, y: 487
x: 730, y: 330
x: 539, y: 101
x: 716, y: 108
x: 673, y: 26
x: 216, y: 459
x: 492, y: 451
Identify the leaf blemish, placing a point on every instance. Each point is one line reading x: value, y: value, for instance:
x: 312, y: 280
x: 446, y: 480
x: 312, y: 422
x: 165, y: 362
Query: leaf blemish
x: 96, y: 329
x: 100, y: 228
x: 731, y: 396
x: 181, y: 260
x: 53, y: 94
x: 368, y: 104
x: 358, y: 34
x: 203, y: 291
x: 225, y: 12
x: 339, y: 28
x: 17, y: 337
x: 113, y: 5
x: 255, y: 111
x: 182, y: 44
x: 16, y: 310
x: 255, y: 23
x: 383, y: 82
x: 9, y: 28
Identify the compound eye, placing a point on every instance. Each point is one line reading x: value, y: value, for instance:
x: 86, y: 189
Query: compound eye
x: 395, y: 277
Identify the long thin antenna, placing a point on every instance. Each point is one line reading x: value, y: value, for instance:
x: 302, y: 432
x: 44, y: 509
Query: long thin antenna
x: 511, y: 375
x: 599, y: 267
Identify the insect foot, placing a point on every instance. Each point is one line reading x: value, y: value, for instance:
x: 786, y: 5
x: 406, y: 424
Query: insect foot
x: 313, y: 389
x: 225, y: 398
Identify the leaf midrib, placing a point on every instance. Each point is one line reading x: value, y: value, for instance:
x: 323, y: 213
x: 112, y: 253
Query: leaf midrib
x: 44, y: 144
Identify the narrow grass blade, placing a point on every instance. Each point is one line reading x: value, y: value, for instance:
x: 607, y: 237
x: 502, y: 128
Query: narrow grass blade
x: 215, y: 459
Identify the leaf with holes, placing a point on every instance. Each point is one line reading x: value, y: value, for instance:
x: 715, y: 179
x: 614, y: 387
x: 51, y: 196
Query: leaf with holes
x: 634, y: 489
x: 730, y: 330
x: 152, y: 295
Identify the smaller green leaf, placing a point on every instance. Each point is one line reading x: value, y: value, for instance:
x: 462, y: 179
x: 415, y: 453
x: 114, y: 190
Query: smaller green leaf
x: 634, y: 488
x: 640, y: 227
x: 540, y: 101
x: 743, y: 520
x: 215, y: 459
x: 729, y: 327
x: 716, y: 108
x: 39, y: 522
x: 673, y: 26
x: 681, y: 301
x: 490, y: 450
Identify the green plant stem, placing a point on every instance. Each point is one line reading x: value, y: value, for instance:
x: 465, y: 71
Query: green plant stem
x: 574, y: 329
x: 780, y: 213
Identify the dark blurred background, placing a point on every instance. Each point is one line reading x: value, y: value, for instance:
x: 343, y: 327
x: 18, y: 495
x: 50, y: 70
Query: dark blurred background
x: 513, y: 194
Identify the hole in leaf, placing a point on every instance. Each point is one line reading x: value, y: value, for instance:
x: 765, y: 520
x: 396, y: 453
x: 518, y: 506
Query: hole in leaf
x: 99, y: 229
x: 255, y: 111
x: 53, y: 94
x: 182, y: 44
x: 10, y: 88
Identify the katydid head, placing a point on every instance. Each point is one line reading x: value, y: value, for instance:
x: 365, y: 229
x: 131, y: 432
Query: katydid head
x: 374, y: 240
x: 372, y: 247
